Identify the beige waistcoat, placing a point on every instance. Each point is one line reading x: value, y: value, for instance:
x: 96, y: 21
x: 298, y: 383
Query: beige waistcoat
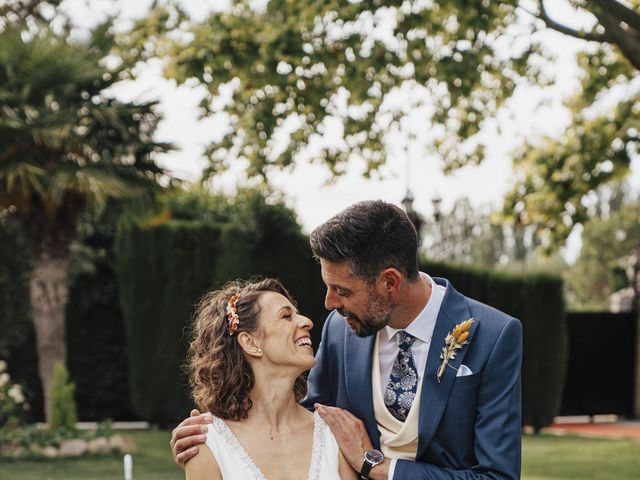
x: 397, y: 439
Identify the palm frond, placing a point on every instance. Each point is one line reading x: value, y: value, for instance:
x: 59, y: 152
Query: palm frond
x: 20, y: 179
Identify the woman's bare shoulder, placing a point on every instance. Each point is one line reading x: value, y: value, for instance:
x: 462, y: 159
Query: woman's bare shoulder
x: 203, y: 466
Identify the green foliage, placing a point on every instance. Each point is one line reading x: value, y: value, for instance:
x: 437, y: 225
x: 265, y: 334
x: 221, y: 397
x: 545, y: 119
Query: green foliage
x: 557, y: 177
x: 164, y: 269
x: 311, y: 62
x: 14, y: 296
x: 95, y: 326
x: 536, y: 300
x: 63, y: 404
x: 65, y: 145
x: 606, y: 239
x: 95, y: 329
x: 13, y: 406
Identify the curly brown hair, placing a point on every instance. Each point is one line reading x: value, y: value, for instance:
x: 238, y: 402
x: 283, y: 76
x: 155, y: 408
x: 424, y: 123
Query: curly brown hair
x: 219, y: 373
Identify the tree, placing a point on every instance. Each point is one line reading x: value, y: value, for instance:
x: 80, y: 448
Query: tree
x: 298, y: 69
x: 475, y: 237
x: 557, y: 176
x: 616, y: 23
x: 65, y: 146
x: 612, y: 234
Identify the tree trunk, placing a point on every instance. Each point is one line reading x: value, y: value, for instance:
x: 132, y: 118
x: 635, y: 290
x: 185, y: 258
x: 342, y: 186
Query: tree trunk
x: 49, y: 291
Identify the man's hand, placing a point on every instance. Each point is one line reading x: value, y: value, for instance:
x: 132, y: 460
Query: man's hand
x: 352, y: 438
x: 186, y: 437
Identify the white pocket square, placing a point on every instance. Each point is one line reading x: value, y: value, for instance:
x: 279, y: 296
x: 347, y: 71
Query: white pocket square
x: 463, y: 371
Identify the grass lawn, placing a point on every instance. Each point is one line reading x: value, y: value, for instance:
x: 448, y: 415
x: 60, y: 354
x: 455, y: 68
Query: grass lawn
x: 151, y: 461
x: 547, y: 457
x: 544, y: 457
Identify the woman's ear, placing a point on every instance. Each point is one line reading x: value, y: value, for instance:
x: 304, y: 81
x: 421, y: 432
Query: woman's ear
x: 249, y: 344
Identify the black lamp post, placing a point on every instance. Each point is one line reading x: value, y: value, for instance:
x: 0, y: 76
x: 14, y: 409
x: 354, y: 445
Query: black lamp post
x: 415, y: 217
x: 437, y: 213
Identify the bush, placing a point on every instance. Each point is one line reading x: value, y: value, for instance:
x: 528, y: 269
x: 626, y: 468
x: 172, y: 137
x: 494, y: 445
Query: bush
x: 13, y: 406
x: 63, y: 406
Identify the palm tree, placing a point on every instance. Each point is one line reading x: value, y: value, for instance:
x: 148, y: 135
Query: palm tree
x: 65, y: 146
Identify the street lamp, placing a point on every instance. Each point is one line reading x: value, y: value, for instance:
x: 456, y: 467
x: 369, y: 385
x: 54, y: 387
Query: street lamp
x: 415, y: 217
x: 436, y: 201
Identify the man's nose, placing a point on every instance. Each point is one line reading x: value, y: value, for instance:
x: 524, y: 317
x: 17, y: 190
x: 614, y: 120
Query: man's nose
x: 332, y: 301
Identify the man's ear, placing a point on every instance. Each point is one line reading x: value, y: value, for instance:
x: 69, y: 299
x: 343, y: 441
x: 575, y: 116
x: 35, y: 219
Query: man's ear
x: 249, y: 344
x: 391, y: 279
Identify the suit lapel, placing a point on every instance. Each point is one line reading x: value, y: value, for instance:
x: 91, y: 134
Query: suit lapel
x: 358, y: 358
x: 434, y: 396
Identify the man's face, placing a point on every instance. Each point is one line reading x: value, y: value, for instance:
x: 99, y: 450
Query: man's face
x: 366, y: 308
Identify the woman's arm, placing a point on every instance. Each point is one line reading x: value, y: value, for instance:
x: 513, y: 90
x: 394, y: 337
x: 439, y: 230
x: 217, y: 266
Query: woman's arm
x: 346, y: 472
x: 203, y: 467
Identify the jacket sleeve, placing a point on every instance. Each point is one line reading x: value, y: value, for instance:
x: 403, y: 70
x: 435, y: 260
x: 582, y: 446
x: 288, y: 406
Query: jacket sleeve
x: 319, y: 386
x: 497, y: 439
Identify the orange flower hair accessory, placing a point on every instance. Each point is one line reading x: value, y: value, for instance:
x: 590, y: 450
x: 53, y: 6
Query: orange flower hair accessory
x: 232, y: 314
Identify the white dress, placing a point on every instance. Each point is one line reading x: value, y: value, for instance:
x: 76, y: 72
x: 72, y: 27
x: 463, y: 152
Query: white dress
x: 236, y: 464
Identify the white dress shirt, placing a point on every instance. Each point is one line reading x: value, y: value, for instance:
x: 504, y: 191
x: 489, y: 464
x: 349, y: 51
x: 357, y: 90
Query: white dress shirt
x: 422, y: 329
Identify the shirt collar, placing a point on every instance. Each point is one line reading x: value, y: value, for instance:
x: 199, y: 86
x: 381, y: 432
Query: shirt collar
x: 422, y: 326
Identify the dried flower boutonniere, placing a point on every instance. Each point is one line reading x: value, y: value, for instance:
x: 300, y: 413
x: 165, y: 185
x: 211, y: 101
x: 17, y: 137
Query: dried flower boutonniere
x: 452, y: 343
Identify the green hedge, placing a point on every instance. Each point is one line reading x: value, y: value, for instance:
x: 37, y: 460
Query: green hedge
x: 536, y: 300
x: 162, y: 271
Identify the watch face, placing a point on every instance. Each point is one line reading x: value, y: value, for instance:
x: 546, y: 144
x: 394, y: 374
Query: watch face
x: 374, y: 456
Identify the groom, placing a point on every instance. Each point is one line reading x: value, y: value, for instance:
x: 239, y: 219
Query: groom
x: 414, y: 379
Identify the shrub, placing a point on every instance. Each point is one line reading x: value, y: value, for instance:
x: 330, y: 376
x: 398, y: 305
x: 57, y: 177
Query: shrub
x: 63, y: 406
x: 13, y: 406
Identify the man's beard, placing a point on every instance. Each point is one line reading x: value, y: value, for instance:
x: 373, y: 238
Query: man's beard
x: 377, y: 316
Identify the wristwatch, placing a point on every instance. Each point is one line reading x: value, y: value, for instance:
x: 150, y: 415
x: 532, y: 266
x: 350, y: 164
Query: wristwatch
x: 371, y: 459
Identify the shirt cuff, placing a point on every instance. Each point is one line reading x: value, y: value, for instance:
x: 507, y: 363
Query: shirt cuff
x: 392, y: 468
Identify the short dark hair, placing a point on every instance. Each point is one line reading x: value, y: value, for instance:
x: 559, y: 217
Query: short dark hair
x: 372, y: 236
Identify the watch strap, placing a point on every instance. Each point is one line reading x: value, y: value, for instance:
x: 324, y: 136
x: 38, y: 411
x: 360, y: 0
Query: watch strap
x: 364, y: 471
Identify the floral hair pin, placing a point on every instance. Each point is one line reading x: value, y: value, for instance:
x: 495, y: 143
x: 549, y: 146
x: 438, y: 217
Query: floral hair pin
x: 232, y: 314
x: 454, y: 341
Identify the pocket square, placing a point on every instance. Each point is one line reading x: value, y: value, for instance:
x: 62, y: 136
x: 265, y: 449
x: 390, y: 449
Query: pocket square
x: 463, y: 371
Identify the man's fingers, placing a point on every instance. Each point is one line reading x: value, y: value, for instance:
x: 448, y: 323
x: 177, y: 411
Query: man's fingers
x: 200, y: 419
x: 187, y: 431
x: 194, y: 413
x: 185, y: 456
x: 186, y: 443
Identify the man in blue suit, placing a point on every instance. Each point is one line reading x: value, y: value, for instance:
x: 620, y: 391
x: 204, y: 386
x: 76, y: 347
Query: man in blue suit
x: 415, y: 380
x: 386, y: 377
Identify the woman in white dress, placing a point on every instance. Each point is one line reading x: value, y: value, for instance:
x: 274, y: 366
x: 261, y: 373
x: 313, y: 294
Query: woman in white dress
x: 247, y: 360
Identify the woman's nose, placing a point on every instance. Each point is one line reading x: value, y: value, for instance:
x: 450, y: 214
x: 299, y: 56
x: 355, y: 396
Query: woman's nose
x: 305, y: 323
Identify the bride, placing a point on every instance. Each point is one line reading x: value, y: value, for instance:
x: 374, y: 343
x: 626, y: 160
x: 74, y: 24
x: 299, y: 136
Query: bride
x: 246, y: 364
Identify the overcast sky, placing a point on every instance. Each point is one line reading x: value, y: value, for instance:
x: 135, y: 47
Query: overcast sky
x: 306, y: 188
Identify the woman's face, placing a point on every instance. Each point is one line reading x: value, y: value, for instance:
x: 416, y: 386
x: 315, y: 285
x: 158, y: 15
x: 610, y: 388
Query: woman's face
x: 284, y: 333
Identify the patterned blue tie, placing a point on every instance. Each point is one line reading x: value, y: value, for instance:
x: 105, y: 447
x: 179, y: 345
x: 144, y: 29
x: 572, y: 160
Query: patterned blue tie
x: 403, y: 381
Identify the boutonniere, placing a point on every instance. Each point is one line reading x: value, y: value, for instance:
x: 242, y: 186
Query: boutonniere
x: 453, y: 342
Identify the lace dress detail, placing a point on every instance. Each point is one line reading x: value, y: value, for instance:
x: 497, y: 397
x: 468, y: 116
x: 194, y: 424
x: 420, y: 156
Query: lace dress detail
x: 322, y: 447
x: 232, y: 442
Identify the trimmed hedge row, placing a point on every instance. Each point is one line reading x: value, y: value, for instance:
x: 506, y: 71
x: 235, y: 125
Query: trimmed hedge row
x: 155, y: 266
x: 158, y: 276
x: 163, y: 271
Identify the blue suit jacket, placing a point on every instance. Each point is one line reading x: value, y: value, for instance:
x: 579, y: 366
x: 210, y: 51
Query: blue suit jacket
x: 469, y: 425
